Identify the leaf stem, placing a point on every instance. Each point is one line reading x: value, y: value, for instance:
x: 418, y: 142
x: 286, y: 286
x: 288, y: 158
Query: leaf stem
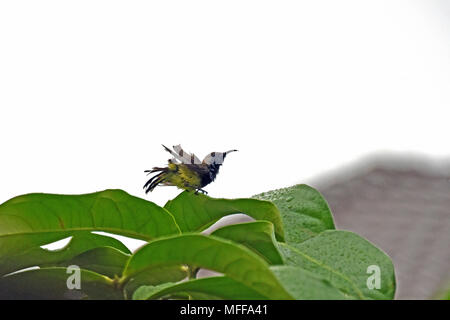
x: 192, y: 272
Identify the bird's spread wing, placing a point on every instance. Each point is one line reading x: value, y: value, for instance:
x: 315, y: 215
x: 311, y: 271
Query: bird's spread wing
x: 186, y: 157
x: 183, y: 156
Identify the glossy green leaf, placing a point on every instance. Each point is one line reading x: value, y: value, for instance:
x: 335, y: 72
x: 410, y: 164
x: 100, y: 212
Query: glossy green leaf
x: 343, y: 259
x: 156, y: 276
x: 51, y: 283
x: 304, y: 211
x: 257, y: 236
x: 209, y: 252
x: 33, y: 220
x: 195, y: 213
x: 206, y: 288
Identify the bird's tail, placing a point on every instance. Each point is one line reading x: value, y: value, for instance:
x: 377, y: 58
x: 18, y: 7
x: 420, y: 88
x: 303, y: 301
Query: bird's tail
x: 156, y: 179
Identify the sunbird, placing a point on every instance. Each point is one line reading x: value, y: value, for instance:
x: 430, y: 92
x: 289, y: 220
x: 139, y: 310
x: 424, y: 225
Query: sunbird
x: 186, y: 171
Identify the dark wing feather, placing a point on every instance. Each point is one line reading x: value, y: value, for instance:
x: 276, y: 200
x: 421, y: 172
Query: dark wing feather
x: 187, y: 157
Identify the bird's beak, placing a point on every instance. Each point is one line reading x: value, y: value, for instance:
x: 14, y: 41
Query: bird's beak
x: 230, y: 151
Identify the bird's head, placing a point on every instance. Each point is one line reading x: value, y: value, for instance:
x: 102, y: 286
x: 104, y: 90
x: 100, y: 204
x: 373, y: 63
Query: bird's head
x: 216, y: 158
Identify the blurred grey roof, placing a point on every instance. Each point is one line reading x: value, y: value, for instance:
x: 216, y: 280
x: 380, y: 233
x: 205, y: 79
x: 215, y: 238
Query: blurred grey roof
x: 402, y: 205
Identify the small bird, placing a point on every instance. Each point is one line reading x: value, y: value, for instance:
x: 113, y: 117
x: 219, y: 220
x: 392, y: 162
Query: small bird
x: 186, y: 171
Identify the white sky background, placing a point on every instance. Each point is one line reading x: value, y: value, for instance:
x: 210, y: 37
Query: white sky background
x: 90, y: 89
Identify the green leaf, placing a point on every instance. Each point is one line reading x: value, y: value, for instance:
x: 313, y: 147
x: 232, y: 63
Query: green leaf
x: 156, y: 276
x: 51, y: 283
x: 36, y: 256
x: 304, y: 211
x: 301, y: 284
x: 304, y: 285
x: 343, y: 259
x: 149, y: 292
x: 195, y: 213
x: 322, y: 263
x: 206, y: 288
x: 257, y: 236
x: 209, y: 252
x: 33, y: 220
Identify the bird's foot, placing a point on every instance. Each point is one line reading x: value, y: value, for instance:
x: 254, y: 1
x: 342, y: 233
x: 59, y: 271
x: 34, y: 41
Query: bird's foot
x: 201, y: 190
